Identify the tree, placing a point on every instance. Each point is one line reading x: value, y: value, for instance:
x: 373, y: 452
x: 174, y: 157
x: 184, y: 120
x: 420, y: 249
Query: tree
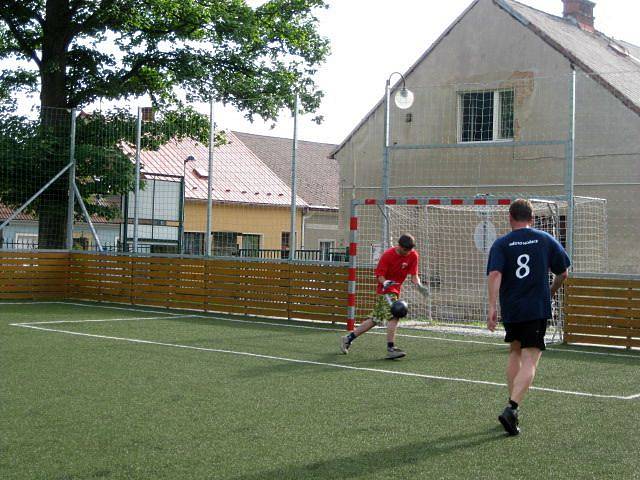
x: 75, y: 52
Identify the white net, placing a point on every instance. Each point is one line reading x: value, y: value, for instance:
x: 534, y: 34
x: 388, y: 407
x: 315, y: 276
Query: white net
x: 454, y: 242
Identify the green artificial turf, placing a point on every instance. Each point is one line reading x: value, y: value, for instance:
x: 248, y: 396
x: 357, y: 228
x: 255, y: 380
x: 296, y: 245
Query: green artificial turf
x: 231, y: 398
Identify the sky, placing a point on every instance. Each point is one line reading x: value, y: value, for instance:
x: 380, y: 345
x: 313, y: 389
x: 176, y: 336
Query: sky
x: 370, y: 39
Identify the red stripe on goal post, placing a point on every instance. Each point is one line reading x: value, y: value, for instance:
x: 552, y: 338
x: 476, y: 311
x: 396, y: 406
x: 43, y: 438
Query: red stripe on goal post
x: 353, y: 249
x: 434, y: 201
x: 370, y: 201
x: 351, y: 300
x: 480, y: 201
x: 504, y: 201
x: 353, y: 224
x: 457, y: 201
x: 352, y: 274
x: 412, y: 201
x: 390, y: 201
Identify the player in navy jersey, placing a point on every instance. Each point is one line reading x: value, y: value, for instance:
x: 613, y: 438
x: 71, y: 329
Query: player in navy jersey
x: 518, y: 270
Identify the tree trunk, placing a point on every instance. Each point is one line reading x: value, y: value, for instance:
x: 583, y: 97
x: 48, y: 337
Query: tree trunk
x: 56, y: 122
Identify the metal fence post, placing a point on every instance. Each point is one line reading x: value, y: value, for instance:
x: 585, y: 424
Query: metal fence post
x: 569, y: 180
x: 72, y: 179
x: 292, y: 234
x: 212, y: 135
x: 137, y: 185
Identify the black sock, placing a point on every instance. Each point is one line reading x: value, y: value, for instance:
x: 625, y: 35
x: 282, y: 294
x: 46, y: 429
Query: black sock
x: 513, y: 404
x: 390, y: 345
x: 351, y: 337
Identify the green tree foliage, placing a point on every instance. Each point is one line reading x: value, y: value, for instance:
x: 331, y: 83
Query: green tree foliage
x: 75, y: 52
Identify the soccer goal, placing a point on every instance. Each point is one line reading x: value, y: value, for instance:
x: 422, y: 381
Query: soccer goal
x: 453, y: 237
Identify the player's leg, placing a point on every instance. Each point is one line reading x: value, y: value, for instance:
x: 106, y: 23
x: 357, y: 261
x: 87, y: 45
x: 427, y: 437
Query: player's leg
x: 530, y: 339
x: 513, y: 364
x: 393, y: 352
x: 524, y: 379
x: 378, y: 315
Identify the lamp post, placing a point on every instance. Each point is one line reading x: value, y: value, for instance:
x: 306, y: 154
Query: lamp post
x: 403, y: 100
x: 190, y: 158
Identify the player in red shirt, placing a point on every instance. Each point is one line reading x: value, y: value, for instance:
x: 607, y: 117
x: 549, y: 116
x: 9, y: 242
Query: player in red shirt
x: 394, y: 266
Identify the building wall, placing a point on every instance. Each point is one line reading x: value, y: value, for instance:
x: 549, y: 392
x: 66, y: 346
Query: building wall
x: 269, y: 222
x: 489, y: 49
x: 321, y: 225
x: 108, y: 233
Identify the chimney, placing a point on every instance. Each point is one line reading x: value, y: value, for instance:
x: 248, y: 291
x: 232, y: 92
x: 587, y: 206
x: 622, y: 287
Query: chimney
x: 581, y: 12
x: 147, y: 114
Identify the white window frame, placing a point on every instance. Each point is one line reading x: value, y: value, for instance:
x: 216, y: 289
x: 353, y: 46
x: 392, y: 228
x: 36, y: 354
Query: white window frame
x: 22, y: 240
x: 497, y: 107
x: 331, y: 241
x: 260, y: 239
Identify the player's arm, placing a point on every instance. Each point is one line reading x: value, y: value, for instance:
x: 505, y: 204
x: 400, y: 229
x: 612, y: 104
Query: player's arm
x: 493, y: 285
x: 558, y: 280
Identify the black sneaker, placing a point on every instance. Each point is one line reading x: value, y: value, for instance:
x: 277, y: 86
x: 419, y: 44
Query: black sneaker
x: 509, y: 420
x: 394, y: 352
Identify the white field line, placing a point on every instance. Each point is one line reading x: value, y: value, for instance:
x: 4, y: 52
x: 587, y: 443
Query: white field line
x: 403, y: 335
x: 123, y: 319
x: 324, y: 364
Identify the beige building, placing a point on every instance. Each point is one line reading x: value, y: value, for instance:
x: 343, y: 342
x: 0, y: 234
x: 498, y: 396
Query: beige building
x: 493, y: 114
x: 317, y: 184
x: 251, y: 205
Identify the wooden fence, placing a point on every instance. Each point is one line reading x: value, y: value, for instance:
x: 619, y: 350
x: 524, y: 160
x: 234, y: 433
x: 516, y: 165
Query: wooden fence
x: 277, y: 289
x: 602, y: 311
x: 33, y: 275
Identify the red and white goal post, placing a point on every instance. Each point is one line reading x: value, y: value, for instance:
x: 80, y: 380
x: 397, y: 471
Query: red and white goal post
x: 453, y: 237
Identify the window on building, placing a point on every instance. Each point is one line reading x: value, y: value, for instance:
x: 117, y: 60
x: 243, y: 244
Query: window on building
x: 225, y: 244
x: 26, y: 241
x: 251, y: 244
x: 285, y: 239
x: 327, y: 248
x: 485, y: 116
x: 81, y: 243
x: 194, y: 243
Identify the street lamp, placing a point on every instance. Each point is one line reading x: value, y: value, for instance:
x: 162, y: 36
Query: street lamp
x: 190, y: 158
x: 403, y: 100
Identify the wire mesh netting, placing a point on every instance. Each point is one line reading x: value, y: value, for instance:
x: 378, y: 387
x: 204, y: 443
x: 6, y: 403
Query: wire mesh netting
x: 454, y: 242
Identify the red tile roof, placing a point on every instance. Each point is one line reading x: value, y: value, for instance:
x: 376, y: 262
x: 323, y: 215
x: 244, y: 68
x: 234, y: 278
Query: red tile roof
x: 239, y: 176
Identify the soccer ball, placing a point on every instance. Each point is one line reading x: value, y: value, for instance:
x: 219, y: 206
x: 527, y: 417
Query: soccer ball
x: 399, y: 309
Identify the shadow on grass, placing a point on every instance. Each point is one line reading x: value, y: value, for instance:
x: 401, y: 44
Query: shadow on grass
x: 370, y: 463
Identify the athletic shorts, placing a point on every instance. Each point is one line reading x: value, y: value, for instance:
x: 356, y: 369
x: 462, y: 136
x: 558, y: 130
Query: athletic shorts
x: 530, y: 334
x: 381, y: 312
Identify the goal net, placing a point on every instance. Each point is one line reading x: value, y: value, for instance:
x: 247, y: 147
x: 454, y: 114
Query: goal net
x: 453, y: 237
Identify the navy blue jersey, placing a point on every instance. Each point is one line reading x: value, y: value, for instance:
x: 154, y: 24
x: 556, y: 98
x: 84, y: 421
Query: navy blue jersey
x: 524, y: 257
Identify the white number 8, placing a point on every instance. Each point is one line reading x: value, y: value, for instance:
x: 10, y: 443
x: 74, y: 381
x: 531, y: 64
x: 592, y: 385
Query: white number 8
x: 523, y: 266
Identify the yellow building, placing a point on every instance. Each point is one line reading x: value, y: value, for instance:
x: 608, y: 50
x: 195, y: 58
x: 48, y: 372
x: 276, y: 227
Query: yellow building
x: 251, y: 204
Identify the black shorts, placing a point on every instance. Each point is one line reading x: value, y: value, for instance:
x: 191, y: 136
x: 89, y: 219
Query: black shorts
x: 530, y: 334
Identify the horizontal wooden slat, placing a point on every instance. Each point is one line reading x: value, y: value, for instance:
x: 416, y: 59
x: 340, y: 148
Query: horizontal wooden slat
x: 603, y: 282
x: 591, y: 320
x: 602, y: 292
x: 603, y: 302
x: 602, y: 311
x: 599, y: 340
x: 602, y: 330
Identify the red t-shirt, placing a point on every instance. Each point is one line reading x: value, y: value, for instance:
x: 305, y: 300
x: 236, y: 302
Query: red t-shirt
x: 394, y: 266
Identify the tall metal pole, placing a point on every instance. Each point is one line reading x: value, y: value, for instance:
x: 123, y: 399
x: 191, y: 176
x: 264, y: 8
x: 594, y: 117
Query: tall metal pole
x: 137, y: 185
x: 182, y: 204
x: 385, y: 167
x: 72, y: 179
x: 212, y: 136
x: 570, y: 162
x: 292, y: 232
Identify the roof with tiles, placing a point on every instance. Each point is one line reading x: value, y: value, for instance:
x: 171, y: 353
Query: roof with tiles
x: 239, y: 175
x: 318, y: 177
x: 615, y: 62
